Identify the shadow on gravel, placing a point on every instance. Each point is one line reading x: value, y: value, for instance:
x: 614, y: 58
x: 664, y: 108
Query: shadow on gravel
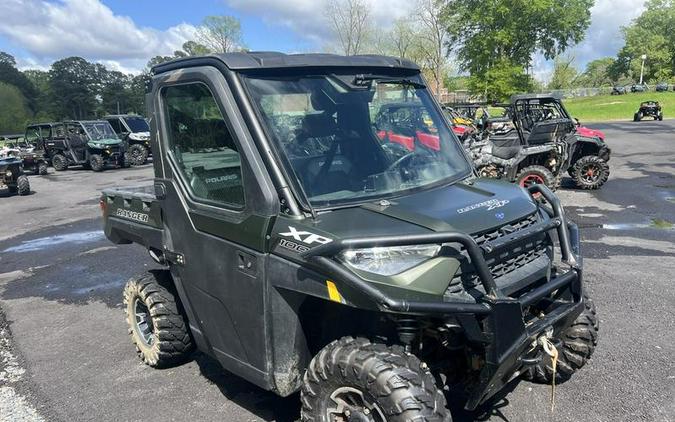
x: 264, y: 404
x: 270, y: 407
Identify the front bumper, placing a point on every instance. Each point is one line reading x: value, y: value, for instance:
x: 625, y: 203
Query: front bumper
x: 605, y: 153
x: 503, y: 325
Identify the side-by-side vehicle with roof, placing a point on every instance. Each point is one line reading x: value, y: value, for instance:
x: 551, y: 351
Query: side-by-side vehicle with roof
x: 135, y: 132
x: 307, y: 251
x: 89, y: 143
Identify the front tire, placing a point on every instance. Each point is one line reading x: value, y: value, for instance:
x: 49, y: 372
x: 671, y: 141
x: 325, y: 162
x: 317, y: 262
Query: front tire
x: 22, y: 185
x: 156, y: 322
x: 590, y: 172
x: 42, y: 169
x: 578, y: 344
x: 536, y: 175
x: 59, y: 162
x: 354, y: 379
x: 138, y: 155
x: 96, y: 163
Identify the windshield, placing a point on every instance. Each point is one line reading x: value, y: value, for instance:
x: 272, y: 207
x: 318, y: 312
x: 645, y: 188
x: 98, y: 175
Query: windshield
x: 349, y: 138
x: 137, y: 124
x: 99, y: 130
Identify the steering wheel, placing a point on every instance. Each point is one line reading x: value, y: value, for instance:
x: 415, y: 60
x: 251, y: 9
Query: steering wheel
x: 398, y: 163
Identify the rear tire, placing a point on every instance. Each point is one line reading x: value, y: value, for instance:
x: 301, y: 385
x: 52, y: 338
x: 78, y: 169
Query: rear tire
x: 96, y: 163
x: 22, y: 185
x: 42, y: 169
x: 533, y: 175
x: 157, y: 325
x: 350, y: 379
x: 591, y: 172
x: 578, y: 344
x: 59, y: 162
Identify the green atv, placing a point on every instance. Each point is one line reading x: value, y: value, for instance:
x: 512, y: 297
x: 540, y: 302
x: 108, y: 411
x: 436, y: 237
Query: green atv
x: 12, y: 176
x: 313, y: 238
x: 91, y: 144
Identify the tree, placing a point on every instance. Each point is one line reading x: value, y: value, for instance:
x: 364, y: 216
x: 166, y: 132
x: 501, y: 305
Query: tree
x: 193, y: 48
x: 433, y: 40
x: 73, y: 88
x: 502, y: 79
x: 497, y: 38
x: 350, y: 23
x: 14, y: 113
x: 651, y: 34
x: 597, y: 73
x: 115, y: 92
x: 220, y: 34
x: 7, y: 58
x: 9, y: 74
x: 40, y: 80
x: 564, y: 73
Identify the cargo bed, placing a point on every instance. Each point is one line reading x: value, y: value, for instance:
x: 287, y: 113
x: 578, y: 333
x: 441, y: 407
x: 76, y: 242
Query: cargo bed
x: 133, y: 214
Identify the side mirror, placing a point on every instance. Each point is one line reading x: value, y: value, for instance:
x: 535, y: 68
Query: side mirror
x: 576, y: 122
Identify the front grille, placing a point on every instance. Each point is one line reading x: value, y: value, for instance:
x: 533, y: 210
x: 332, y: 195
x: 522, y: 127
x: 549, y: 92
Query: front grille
x: 507, y: 260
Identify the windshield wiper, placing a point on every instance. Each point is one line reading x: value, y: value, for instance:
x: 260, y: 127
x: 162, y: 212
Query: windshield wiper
x: 366, y: 80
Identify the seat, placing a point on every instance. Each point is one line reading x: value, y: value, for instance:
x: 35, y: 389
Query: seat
x: 506, y: 146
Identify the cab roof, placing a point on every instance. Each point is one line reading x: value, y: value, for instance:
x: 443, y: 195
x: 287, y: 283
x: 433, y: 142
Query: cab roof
x: 276, y: 60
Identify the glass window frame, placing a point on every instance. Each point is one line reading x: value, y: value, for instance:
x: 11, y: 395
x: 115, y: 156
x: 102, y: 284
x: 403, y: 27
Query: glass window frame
x: 174, y: 162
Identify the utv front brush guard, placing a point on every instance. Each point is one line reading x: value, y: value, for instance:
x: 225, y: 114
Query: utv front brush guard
x: 505, y: 334
x: 323, y: 254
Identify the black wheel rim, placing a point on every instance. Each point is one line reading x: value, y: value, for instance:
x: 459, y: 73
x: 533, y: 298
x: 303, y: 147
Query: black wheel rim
x: 349, y: 404
x: 590, y: 173
x: 144, y: 327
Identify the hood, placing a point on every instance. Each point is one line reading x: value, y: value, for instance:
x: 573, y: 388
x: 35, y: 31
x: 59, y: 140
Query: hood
x: 107, y: 142
x: 10, y: 160
x: 482, y: 206
x: 142, y: 136
x: 590, y: 133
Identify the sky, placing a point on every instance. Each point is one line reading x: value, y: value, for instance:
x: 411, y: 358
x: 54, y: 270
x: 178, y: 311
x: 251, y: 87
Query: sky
x: 124, y: 34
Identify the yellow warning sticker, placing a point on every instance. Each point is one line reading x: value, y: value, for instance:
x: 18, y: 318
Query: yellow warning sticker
x: 333, y: 293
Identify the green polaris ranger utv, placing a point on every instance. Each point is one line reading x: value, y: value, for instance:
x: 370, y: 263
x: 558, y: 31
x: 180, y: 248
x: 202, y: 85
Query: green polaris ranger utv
x: 303, y: 251
x: 91, y: 144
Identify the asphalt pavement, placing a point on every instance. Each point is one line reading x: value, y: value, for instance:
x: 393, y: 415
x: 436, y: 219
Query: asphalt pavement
x: 65, y: 354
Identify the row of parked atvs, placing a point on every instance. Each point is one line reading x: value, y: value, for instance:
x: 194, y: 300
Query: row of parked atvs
x: 115, y: 140
x: 531, y: 140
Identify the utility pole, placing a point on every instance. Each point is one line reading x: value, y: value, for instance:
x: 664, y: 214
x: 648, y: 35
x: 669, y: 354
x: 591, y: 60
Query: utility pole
x: 642, y: 69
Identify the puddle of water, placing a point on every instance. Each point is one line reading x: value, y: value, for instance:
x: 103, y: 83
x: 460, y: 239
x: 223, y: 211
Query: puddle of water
x: 624, y: 226
x: 656, y: 223
x: 45, y: 242
x: 670, y: 199
x: 109, y: 285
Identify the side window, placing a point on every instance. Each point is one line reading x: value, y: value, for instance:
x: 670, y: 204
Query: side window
x: 202, y: 145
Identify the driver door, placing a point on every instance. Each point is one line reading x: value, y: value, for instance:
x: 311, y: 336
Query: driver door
x: 218, y: 205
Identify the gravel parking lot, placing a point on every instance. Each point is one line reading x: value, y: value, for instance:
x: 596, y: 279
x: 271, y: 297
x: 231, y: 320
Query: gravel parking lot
x: 65, y: 354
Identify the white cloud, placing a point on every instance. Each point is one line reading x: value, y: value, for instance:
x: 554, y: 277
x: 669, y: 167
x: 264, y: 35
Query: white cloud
x: 87, y: 28
x: 307, y: 18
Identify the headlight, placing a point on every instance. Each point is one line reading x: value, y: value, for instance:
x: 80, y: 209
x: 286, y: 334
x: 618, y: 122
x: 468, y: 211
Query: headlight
x: 9, y: 173
x: 389, y: 261
x: 135, y: 137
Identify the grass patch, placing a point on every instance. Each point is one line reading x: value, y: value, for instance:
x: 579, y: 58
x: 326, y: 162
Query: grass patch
x: 661, y: 224
x: 617, y: 107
